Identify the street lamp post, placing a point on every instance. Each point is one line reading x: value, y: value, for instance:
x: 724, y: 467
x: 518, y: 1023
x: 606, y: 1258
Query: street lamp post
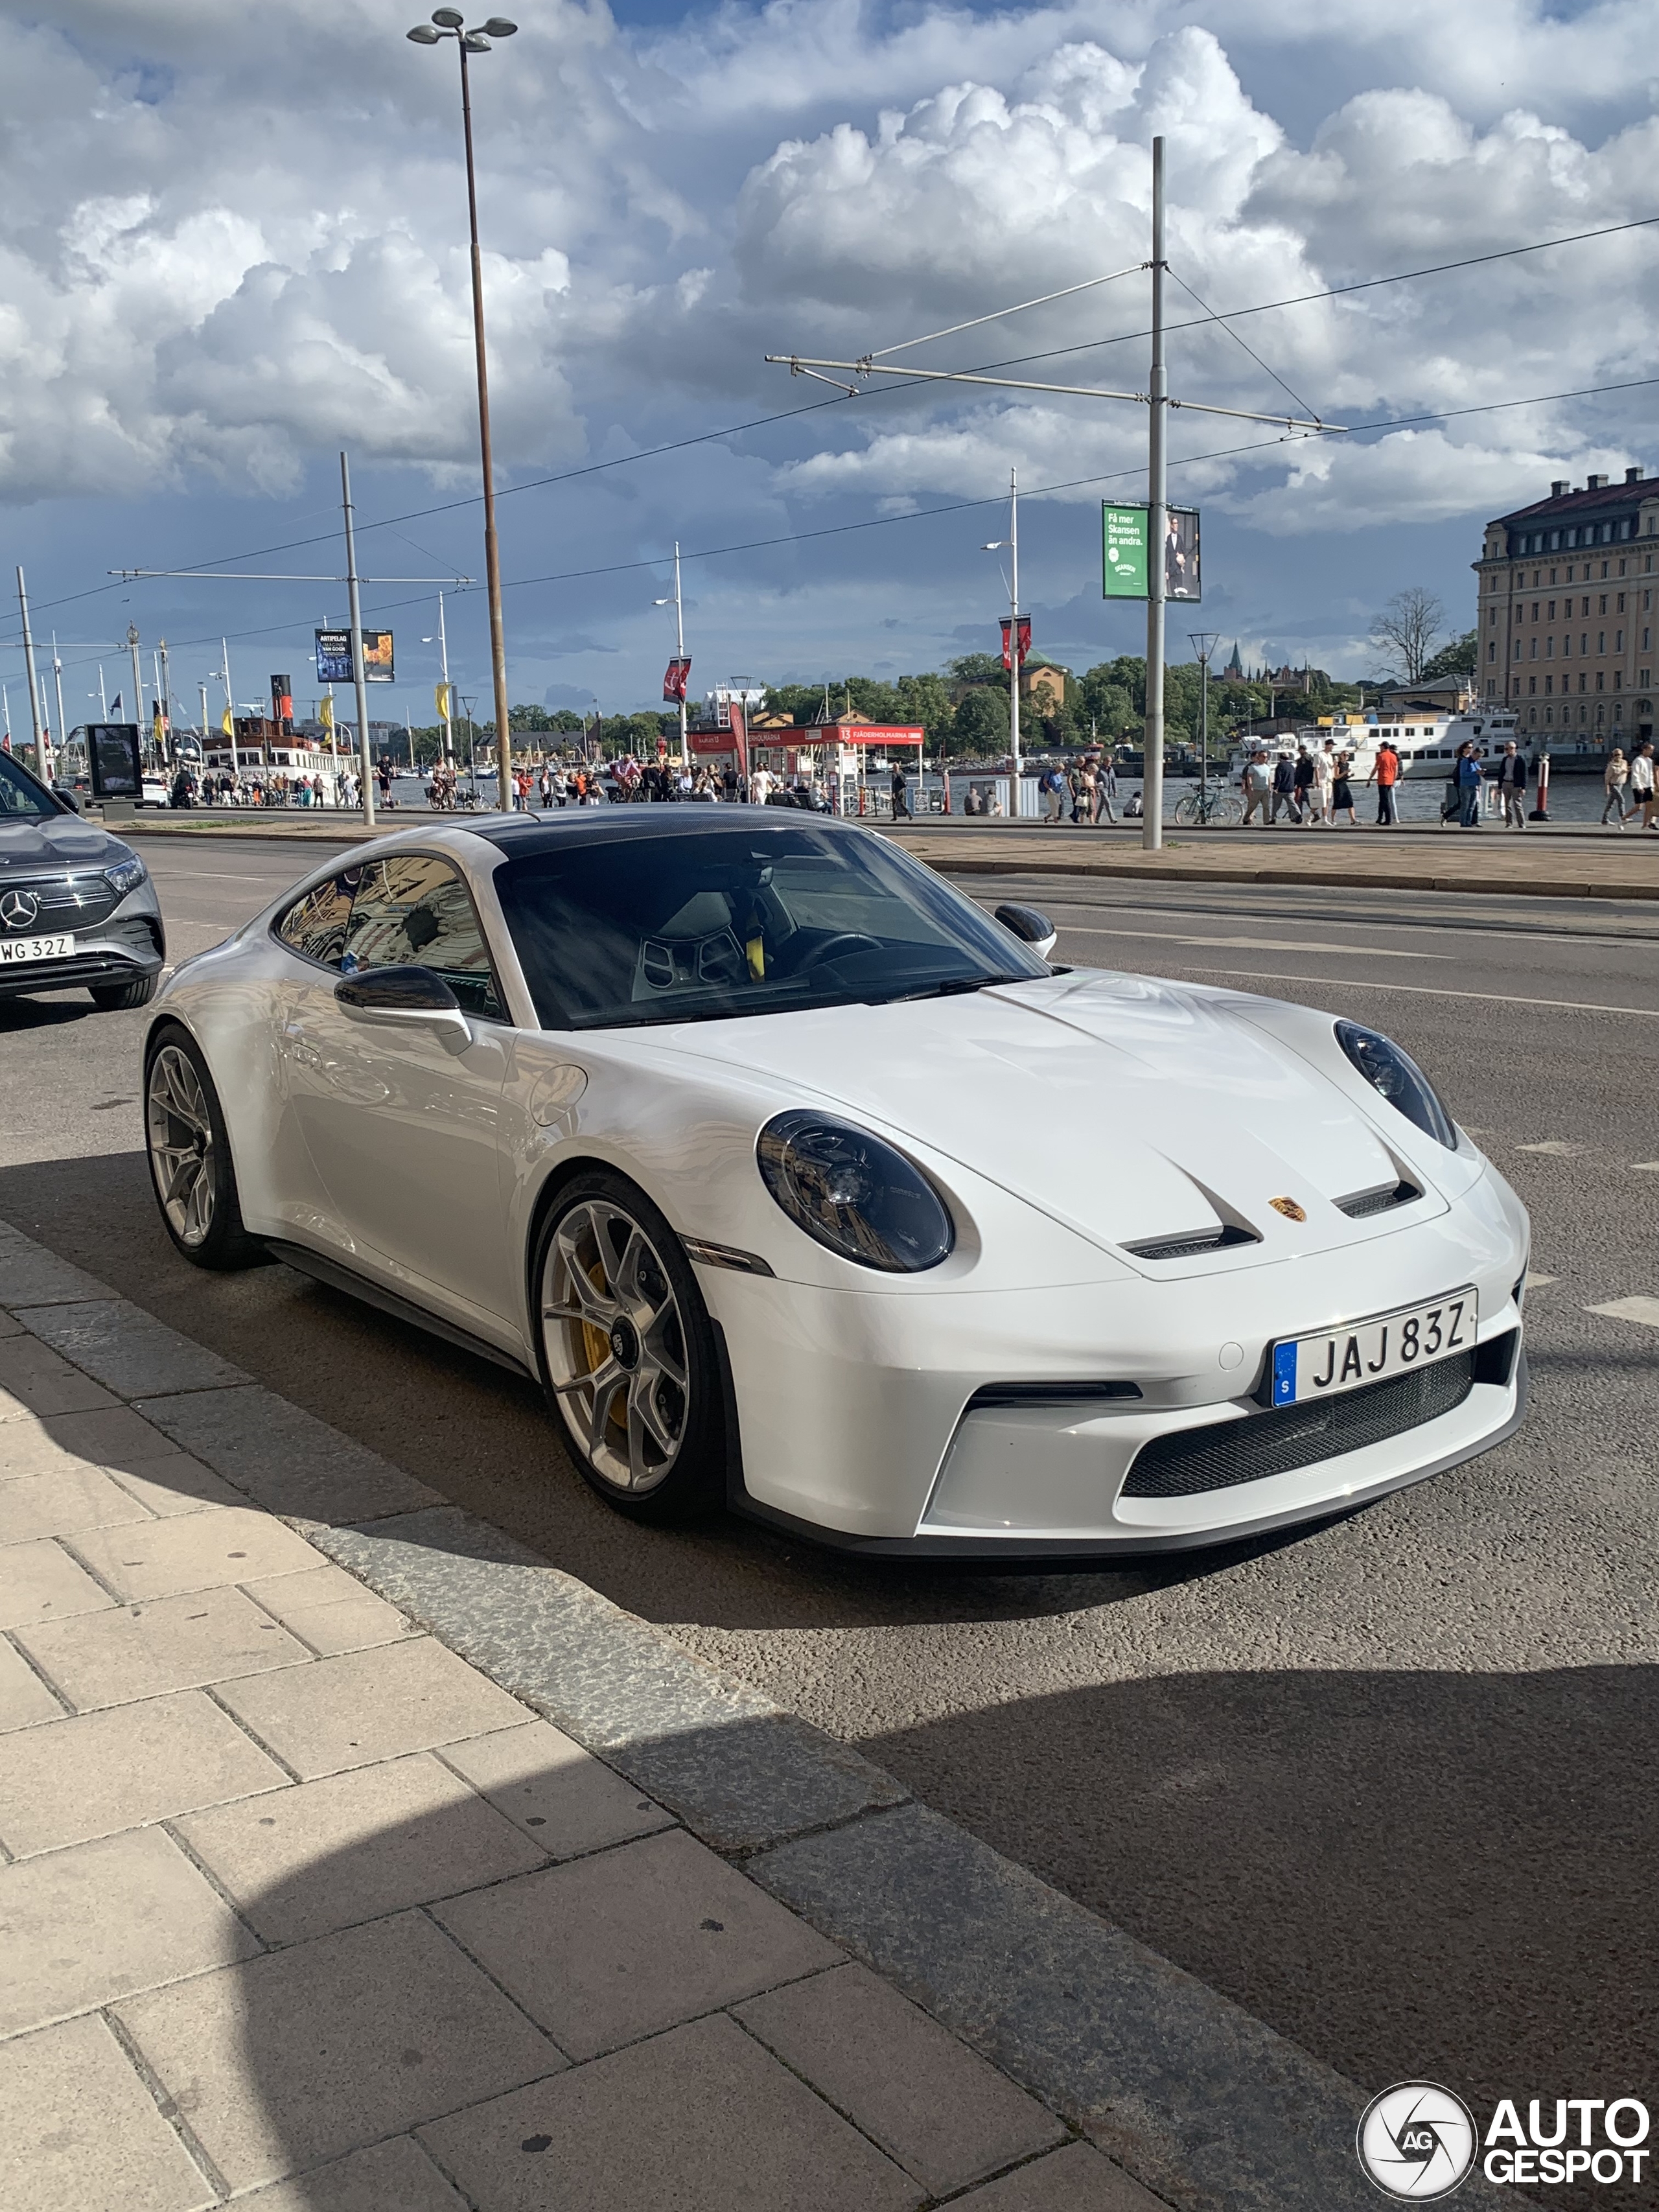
x: 1204, y: 644
x: 450, y: 23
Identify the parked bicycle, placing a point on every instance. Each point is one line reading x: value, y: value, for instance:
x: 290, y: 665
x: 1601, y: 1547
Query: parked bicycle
x: 1216, y: 808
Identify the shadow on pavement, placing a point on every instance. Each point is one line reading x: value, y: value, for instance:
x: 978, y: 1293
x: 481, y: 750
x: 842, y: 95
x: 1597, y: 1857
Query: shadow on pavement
x: 423, y: 1955
x: 483, y: 1438
x: 1416, y: 1876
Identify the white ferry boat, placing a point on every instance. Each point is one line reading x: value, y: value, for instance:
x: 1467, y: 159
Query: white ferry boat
x: 1427, y: 744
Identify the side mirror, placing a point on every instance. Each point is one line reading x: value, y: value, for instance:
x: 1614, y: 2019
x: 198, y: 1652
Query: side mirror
x: 1032, y: 925
x: 405, y: 998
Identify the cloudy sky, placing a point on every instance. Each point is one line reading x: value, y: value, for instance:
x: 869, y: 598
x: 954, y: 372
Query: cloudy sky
x: 233, y: 241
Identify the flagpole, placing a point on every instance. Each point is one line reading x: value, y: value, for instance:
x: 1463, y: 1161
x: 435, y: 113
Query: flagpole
x: 679, y: 640
x: 366, y: 765
x: 443, y: 657
x: 57, y: 679
x: 42, y: 748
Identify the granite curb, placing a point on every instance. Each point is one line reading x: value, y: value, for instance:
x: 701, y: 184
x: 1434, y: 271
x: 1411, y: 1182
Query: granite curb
x: 1203, y: 2105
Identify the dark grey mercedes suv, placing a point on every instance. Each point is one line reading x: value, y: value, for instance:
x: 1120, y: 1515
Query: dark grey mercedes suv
x: 77, y: 905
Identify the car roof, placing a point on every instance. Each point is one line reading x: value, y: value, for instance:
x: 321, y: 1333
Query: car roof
x: 521, y: 836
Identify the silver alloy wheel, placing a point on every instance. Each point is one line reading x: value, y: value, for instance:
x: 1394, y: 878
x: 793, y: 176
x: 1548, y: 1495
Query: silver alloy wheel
x: 179, y: 1130
x: 616, y: 1345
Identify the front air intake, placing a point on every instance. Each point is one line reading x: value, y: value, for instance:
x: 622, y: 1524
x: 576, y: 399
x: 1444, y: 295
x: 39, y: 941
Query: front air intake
x: 1188, y: 1247
x: 1220, y: 1454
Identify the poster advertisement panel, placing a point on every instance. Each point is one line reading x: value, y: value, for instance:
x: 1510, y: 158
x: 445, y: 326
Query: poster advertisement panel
x: 1124, y: 553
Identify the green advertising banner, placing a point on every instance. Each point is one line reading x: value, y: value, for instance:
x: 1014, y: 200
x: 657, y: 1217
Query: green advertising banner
x: 1123, y: 552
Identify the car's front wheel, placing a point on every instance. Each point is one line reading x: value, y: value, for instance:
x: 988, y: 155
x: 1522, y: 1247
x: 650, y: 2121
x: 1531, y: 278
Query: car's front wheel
x: 627, y: 1352
x: 116, y: 997
x: 189, y: 1152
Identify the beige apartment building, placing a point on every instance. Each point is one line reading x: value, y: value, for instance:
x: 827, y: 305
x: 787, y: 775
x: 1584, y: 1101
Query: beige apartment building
x: 1566, y: 615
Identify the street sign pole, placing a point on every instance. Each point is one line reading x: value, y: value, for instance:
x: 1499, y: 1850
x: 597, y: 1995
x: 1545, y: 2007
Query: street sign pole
x: 366, y: 766
x: 1151, y: 773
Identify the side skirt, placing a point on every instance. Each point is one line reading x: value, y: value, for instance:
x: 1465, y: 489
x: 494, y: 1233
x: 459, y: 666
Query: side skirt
x: 304, y: 1261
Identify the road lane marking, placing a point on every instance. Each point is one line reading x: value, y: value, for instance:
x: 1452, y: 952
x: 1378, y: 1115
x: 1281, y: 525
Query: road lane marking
x: 1256, y: 943
x: 1645, y: 1167
x: 1534, y: 1281
x: 1436, y: 991
x: 1559, y: 1148
x: 1644, y: 1311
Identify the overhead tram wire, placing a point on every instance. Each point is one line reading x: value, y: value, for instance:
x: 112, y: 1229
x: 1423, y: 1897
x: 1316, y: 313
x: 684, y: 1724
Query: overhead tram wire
x: 1017, y: 361
x: 957, y: 507
x: 787, y: 414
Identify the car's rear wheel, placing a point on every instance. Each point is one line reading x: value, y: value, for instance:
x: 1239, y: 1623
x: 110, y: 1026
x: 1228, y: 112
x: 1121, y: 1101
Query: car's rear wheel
x: 189, y: 1152
x: 116, y: 997
x: 628, y: 1352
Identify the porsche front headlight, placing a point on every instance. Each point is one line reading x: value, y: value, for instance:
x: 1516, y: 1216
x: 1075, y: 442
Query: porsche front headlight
x: 1392, y: 1072
x: 853, y: 1194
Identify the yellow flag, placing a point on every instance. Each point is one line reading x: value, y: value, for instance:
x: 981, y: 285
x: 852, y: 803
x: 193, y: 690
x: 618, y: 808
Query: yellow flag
x: 326, y: 715
x: 227, y: 723
x: 440, y: 693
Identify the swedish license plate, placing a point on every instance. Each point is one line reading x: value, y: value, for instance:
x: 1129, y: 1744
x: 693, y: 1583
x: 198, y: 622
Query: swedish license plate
x: 20, y: 952
x: 1369, y: 1351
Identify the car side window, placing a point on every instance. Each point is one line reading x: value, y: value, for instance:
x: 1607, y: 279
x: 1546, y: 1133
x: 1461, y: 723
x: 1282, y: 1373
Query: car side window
x: 415, y: 911
x: 315, y: 926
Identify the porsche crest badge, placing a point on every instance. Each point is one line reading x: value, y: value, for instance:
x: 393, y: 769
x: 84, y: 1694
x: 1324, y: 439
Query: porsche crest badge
x: 1289, y: 1208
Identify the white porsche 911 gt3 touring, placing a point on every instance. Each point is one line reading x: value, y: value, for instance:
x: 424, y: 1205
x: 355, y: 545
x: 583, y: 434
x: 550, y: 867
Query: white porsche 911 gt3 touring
x: 760, y: 1146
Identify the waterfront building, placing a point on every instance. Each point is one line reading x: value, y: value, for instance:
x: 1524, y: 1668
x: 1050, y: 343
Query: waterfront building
x: 1565, y: 614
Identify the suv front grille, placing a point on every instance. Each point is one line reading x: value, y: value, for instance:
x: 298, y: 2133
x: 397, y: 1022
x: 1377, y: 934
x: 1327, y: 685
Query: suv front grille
x: 1225, y: 1453
x: 80, y: 900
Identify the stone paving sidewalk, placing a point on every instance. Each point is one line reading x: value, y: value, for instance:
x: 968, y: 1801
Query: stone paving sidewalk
x: 300, y: 1909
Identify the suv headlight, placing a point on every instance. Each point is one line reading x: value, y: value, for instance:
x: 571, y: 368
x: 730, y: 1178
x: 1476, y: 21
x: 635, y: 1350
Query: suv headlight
x: 1392, y: 1072
x: 126, y: 875
x: 853, y: 1194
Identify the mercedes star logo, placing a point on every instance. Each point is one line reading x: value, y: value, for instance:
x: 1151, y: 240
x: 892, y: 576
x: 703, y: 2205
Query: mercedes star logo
x: 18, y: 909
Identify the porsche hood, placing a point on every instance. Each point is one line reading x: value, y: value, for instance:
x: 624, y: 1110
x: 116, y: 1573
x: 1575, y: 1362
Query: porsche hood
x: 1147, y: 1114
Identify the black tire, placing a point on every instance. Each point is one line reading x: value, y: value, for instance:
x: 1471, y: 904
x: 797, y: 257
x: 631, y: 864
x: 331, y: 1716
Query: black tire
x: 629, y: 1361
x: 116, y: 997
x: 188, y: 1148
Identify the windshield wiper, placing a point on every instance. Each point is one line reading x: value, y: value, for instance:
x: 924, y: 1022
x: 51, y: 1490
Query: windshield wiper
x: 953, y: 986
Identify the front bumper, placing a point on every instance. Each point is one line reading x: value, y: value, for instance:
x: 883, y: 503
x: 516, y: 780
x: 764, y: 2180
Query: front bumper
x: 864, y: 1418
x: 128, y: 944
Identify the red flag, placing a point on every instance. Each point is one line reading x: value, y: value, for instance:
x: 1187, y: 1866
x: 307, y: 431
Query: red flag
x: 675, y: 678
x: 740, y: 736
x: 1025, y: 639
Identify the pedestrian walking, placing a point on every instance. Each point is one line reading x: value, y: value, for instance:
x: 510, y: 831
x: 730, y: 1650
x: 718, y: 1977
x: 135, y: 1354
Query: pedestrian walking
x: 1342, y: 789
x: 1324, y: 780
x: 1304, y: 776
x: 1284, y: 787
x: 901, y: 803
x: 1511, y: 777
x: 1614, y: 777
x: 1643, y: 797
x: 1106, y: 789
x: 1385, y: 775
x: 1258, y: 784
x: 1054, y: 787
x: 1468, y: 787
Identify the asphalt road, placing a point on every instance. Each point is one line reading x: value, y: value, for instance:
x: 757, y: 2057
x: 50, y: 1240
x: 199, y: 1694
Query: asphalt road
x: 1388, y: 1784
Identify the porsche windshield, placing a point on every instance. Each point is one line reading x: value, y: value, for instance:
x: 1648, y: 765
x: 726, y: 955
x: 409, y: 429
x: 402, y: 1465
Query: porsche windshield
x: 715, y: 923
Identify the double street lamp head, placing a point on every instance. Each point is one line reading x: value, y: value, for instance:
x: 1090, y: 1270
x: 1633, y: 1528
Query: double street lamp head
x: 450, y: 23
